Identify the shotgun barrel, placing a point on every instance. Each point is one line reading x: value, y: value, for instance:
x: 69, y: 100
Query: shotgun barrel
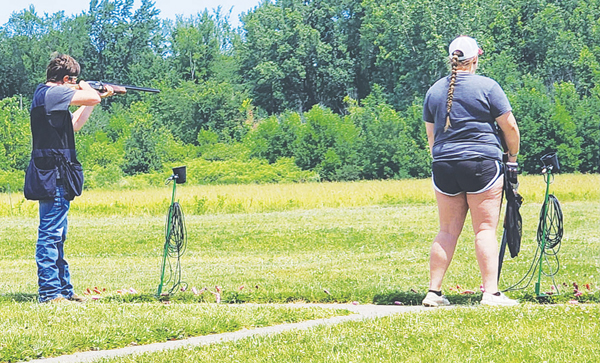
x: 119, y: 88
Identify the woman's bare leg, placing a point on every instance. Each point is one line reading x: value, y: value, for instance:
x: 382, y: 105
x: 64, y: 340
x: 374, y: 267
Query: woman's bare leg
x: 485, y: 213
x: 452, y: 212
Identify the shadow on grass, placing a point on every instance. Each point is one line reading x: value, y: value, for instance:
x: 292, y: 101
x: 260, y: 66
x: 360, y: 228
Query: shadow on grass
x: 412, y: 298
x: 19, y: 297
x: 415, y: 298
x: 386, y: 298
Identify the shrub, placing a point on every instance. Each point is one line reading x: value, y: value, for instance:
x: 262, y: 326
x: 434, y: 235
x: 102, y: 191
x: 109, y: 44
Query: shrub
x: 11, y: 180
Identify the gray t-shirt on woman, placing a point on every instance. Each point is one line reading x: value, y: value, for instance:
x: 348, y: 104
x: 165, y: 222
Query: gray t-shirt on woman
x: 477, y: 101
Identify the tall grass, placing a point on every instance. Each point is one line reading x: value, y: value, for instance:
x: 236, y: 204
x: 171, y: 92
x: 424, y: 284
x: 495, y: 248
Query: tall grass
x: 218, y: 199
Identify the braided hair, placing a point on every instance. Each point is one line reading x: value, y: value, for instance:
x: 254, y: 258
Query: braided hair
x: 454, y: 64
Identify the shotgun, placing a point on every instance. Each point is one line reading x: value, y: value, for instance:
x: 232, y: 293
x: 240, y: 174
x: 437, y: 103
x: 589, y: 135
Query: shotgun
x: 119, y: 88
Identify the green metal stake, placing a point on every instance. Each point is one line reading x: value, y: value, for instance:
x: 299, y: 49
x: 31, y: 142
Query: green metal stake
x: 167, y: 237
x: 543, y: 246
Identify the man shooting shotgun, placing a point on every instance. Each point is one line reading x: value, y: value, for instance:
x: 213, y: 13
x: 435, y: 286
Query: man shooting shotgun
x: 54, y: 175
x: 119, y: 89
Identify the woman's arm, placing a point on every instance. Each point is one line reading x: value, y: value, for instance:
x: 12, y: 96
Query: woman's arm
x: 430, y: 139
x: 510, y: 134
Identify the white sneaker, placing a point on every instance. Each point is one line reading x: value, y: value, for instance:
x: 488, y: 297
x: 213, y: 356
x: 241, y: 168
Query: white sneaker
x: 433, y: 300
x: 500, y: 300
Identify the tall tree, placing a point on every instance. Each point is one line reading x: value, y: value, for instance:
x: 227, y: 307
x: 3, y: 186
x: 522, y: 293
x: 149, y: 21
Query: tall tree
x: 292, y: 56
x: 200, y: 44
x: 121, y: 38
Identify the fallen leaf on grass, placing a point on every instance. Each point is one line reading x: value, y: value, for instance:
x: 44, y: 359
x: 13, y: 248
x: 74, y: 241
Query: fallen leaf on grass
x: 217, y: 296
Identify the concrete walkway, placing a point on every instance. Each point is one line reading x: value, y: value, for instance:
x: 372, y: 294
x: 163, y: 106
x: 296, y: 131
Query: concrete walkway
x: 361, y: 312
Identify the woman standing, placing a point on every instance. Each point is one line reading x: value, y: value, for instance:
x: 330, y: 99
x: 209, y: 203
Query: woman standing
x: 462, y: 112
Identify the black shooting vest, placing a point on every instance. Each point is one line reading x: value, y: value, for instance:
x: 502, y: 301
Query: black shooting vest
x: 53, y: 158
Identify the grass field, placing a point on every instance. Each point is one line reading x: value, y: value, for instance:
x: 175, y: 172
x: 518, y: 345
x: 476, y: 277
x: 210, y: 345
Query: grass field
x: 329, y: 242
x: 522, y: 334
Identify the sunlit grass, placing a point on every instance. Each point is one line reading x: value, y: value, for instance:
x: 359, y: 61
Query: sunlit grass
x: 32, y: 330
x: 562, y: 333
x: 366, y: 254
x: 330, y: 242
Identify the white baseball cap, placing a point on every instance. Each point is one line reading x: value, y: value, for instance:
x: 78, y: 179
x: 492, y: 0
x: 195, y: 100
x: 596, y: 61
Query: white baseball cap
x: 467, y: 45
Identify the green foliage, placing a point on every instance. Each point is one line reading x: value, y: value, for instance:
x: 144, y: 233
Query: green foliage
x: 294, y: 55
x: 274, y: 137
x: 11, y: 181
x: 547, y: 125
x: 327, y: 143
x: 388, y: 149
x: 257, y: 171
x: 103, y: 177
x: 193, y: 107
x: 199, y: 43
x: 280, y: 86
x: 221, y: 151
x: 141, y: 147
x: 15, y: 138
x: 587, y: 121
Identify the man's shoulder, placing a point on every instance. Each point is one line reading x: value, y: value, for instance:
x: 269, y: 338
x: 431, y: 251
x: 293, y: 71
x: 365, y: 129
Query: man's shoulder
x: 59, y: 91
x: 58, y: 98
x: 39, y: 95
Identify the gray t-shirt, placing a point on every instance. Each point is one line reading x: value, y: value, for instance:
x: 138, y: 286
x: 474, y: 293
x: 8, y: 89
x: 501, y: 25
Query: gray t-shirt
x: 477, y: 102
x: 58, y: 99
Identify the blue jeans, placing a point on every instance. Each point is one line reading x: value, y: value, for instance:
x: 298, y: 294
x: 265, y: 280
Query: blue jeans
x: 54, y: 279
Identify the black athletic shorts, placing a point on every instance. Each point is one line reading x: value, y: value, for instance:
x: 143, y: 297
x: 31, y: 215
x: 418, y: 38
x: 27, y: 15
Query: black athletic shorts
x: 470, y: 176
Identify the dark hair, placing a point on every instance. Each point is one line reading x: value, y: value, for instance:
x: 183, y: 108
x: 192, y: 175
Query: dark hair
x: 62, y: 65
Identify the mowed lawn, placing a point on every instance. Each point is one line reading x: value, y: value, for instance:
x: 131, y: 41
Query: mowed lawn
x: 365, y: 242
